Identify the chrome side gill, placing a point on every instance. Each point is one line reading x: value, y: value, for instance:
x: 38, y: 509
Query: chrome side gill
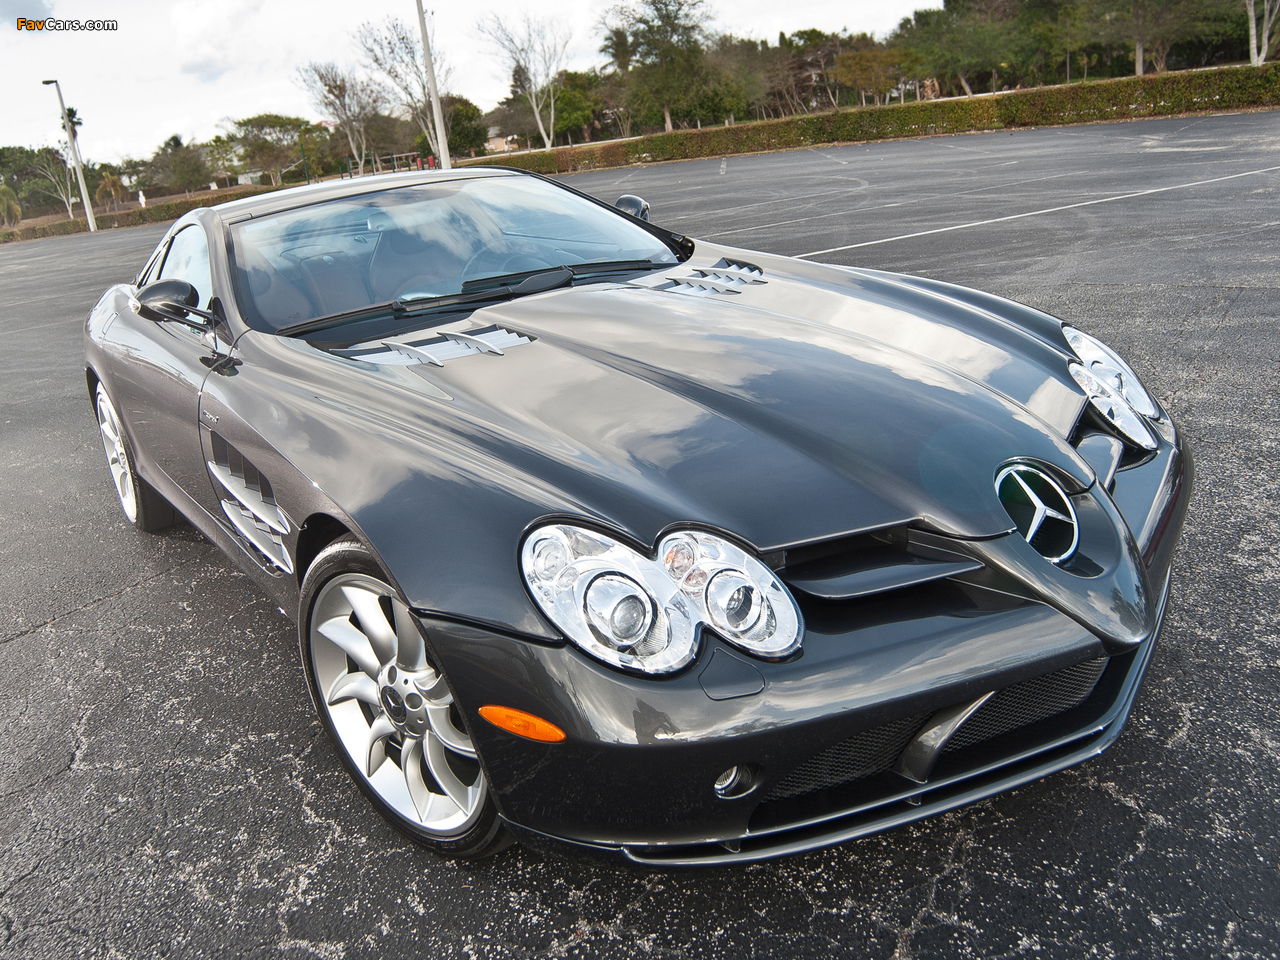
x: 249, y: 503
x: 437, y: 350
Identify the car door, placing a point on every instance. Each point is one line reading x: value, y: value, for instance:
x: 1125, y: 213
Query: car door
x: 158, y: 388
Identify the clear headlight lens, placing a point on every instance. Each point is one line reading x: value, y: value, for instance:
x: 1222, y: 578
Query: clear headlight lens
x: 639, y: 613
x: 1113, y: 388
x: 1105, y: 364
x: 1113, y: 407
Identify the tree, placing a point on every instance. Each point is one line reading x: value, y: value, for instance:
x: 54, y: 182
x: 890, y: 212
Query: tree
x: 110, y: 191
x: 873, y: 70
x: 270, y: 142
x: 395, y: 51
x: 223, y: 153
x: 467, y: 130
x: 666, y: 38
x: 10, y: 209
x: 54, y: 176
x: 1151, y: 26
x: 1260, y: 32
x: 535, y: 51
x: 347, y: 99
x: 179, y: 166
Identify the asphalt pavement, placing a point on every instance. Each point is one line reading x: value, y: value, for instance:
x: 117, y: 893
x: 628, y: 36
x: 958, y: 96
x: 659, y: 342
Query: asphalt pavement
x: 165, y: 789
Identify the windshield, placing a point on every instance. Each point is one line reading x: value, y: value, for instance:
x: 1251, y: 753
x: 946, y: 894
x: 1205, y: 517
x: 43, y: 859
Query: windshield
x: 420, y: 242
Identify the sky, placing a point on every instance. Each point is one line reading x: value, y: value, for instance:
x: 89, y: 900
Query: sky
x: 185, y: 67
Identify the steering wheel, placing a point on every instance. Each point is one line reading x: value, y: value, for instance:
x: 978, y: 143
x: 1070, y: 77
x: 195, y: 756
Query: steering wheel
x: 494, y: 263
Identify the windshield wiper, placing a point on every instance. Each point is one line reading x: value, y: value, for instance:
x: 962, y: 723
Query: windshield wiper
x: 575, y: 269
x: 333, y: 319
x: 531, y: 283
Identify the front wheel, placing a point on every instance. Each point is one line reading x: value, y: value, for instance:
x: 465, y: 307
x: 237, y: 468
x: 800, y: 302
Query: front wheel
x: 388, y: 710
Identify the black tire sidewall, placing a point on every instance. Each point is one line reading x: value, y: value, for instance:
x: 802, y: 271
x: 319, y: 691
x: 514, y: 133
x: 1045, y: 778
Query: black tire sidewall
x: 348, y: 555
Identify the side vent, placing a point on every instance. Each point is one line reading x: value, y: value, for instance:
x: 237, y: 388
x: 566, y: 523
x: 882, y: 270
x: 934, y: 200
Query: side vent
x: 249, y: 503
x: 438, y: 350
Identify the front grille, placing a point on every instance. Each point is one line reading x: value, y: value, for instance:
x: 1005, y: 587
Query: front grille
x: 872, y: 751
x: 877, y: 750
x: 1028, y: 702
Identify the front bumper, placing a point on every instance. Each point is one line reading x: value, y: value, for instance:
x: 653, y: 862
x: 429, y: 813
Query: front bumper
x: 635, y: 775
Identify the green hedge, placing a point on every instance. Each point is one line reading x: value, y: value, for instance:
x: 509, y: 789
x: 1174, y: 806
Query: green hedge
x: 1193, y: 91
x: 156, y: 213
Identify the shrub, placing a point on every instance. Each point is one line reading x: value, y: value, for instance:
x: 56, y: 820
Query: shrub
x: 1163, y: 94
x: 154, y: 213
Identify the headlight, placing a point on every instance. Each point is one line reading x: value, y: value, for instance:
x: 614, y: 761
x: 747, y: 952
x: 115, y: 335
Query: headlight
x: 1113, y: 407
x: 1113, y: 388
x: 1105, y: 364
x: 640, y: 613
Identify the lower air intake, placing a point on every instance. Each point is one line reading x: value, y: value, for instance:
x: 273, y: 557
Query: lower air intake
x: 1027, y: 702
x: 870, y: 752
x: 877, y: 750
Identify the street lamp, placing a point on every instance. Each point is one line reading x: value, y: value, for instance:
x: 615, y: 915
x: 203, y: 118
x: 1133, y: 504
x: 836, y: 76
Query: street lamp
x: 75, y: 155
x: 441, y: 138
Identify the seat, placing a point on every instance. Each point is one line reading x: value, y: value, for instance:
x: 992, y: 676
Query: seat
x: 405, y: 261
x: 278, y: 301
x: 335, y: 283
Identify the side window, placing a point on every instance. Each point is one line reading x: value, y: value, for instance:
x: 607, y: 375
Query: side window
x: 188, y: 259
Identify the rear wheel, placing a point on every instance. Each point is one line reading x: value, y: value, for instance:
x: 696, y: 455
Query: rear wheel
x: 146, y: 509
x: 388, y: 710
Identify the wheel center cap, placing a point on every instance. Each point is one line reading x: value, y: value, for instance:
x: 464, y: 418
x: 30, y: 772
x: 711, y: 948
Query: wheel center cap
x: 393, y: 703
x: 401, y: 697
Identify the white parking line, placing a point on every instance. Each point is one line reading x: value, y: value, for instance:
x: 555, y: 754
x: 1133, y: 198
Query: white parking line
x: 1038, y: 213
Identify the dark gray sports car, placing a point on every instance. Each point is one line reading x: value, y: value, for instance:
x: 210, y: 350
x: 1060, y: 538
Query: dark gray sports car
x: 603, y: 537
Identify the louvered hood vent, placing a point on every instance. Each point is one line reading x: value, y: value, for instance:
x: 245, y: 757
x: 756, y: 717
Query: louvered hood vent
x: 438, y: 350
x: 723, y: 277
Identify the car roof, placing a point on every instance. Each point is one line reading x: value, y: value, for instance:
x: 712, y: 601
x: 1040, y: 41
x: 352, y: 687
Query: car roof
x: 263, y: 204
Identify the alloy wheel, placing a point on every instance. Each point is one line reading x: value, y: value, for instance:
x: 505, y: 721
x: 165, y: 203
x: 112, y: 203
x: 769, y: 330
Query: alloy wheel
x: 390, y: 708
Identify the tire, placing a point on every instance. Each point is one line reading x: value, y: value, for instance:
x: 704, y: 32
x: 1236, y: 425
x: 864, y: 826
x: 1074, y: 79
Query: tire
x: 145, y: 508
x: 388, y: 711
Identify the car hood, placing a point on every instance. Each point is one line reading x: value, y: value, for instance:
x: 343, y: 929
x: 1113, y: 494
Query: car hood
x: 781, y: 401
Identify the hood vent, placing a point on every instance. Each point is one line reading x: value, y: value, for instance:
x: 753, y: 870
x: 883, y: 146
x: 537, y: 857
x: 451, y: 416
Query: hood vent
x: 726, y: 276
x: 438, y: 350
x: 871, y: 564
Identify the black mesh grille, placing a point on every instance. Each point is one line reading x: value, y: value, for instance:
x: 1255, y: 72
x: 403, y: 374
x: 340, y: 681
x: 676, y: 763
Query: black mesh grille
x: 872, y: 751
x: 1027, y: 702
x: 875, y: 751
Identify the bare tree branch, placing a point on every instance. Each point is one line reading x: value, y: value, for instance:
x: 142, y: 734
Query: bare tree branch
x: 54, y: 170
x: 347, y: 99
x: 395, y: 51
x: 535, y: 50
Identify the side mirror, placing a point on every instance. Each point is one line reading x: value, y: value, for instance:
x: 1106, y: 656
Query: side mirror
x: 638, y: 207
x: 170, y: 300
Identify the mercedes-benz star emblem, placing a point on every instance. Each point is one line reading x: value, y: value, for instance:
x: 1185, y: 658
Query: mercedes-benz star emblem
x: 1040, y: 509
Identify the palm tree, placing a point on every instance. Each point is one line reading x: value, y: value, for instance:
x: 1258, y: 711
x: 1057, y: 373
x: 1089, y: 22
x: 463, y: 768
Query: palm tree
x: 73, y: 122
x: 109, y: 191
x: 10, y: 209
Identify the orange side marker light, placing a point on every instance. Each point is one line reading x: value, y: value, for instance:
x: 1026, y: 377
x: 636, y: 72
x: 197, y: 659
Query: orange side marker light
x: 522, y: 724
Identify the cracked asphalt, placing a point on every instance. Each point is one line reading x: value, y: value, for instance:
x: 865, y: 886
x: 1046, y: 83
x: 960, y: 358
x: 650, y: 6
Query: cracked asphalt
x: 166, y: 790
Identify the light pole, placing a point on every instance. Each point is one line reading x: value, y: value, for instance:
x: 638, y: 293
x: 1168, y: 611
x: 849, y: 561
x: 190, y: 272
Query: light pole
x: 75, y: 156
x: 435, y: 93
